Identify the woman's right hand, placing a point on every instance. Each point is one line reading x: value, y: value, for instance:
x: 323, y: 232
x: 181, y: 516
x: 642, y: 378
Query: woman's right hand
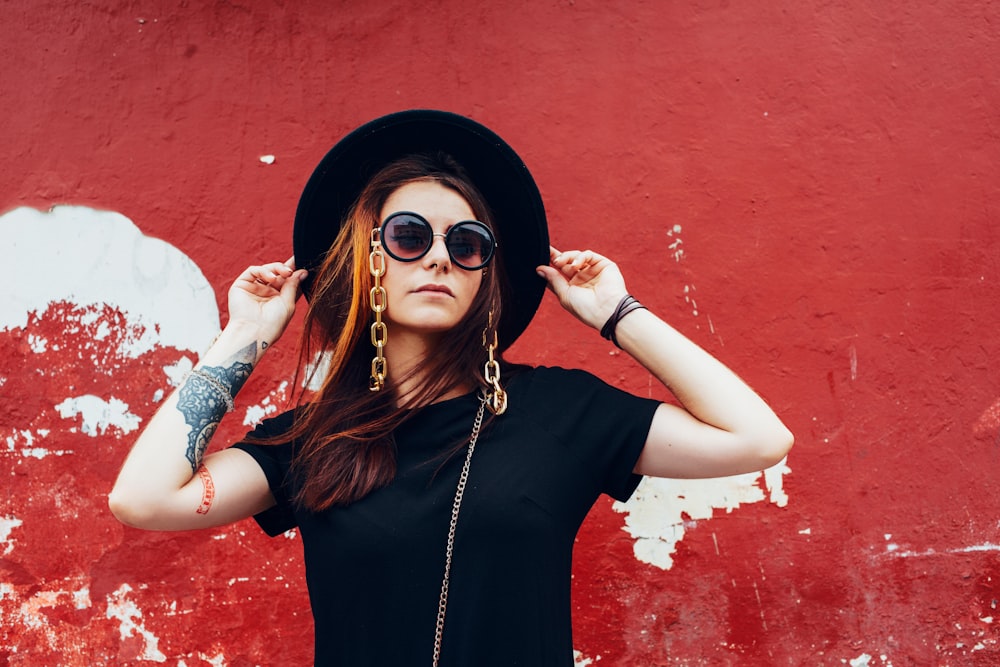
x: 265, y: 296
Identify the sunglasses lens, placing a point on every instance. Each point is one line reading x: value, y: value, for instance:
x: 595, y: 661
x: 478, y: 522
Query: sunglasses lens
x: 406, y: 237
x: 470, y: 244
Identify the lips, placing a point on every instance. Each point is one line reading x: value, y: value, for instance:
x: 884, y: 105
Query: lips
x: 442, y: 289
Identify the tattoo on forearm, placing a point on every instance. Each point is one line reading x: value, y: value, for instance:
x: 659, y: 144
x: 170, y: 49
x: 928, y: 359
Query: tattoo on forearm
x: 207, y: 492
x: 202, y: 406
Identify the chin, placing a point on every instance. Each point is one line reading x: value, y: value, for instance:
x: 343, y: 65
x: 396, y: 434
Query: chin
x: 426, y: 326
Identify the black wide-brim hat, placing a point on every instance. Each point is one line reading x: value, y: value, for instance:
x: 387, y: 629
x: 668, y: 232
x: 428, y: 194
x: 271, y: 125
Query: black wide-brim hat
x: 493, y: 166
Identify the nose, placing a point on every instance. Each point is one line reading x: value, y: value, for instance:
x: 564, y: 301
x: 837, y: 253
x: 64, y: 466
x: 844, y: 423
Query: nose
x: 437, y: 254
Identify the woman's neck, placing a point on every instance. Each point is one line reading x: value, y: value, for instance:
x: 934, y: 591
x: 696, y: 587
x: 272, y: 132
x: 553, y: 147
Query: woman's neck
x: 405, y: 357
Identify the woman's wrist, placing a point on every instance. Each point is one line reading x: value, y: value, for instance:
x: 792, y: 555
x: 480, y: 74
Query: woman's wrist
x: 628, y: 304
x: 246, y: 338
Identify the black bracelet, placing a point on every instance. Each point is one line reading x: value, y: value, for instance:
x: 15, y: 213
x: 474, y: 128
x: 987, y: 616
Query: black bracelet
x: 627, y: 305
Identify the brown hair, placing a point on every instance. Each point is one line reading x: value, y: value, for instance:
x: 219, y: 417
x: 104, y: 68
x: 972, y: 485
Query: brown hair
x: 347, y: 448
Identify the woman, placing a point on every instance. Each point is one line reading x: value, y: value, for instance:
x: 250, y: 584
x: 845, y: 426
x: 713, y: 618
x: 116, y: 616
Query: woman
x: 437, y: 490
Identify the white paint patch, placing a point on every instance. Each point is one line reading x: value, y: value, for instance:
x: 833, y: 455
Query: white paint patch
x: 316, y: 372
x: 81, y: 598
x: 99, y: 415
x: 267, y: 159
x: 580, y: 660
x: 37, y: 344
x: 126, y: 611
x: 177, y: 372
x: 675, y: 247
x: 41, y: 453
x: 689, y: 299
x: 94, y: 258
x: 662, y: 510
x: 28, y: 438
x: 7, y: 526
x: 893, y: 550
x: 217, y: 660
x: 863, y: 660
x: 255, y: 414
x: 676, y: 243
x: 773, y: 480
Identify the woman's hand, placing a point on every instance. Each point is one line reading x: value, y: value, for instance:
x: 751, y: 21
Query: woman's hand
x: 587, y: 284
x: 265, y: 296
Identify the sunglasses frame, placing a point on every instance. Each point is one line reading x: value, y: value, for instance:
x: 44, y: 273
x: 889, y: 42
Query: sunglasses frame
x: 446, y: 235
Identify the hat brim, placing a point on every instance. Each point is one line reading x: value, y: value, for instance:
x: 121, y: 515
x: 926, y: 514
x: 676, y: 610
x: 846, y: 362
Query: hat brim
x: 493, y: 166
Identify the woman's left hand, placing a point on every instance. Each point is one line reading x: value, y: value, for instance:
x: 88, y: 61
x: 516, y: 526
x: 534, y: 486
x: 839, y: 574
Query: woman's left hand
x: 587, y: 284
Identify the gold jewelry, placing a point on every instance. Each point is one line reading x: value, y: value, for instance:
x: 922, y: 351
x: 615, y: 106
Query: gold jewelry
x: 496, y: 400
x: 377, y: 300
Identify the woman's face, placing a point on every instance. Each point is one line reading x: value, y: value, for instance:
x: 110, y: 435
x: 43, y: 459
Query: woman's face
x: 432, y: 294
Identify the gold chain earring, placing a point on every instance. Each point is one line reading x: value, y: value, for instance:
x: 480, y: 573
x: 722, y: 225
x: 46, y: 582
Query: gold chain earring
x: 377, y: 301
x: 496, y: 397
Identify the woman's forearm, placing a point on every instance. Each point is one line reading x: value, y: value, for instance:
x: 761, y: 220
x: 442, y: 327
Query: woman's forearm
x: 169, y: 451
x: 704, y: 386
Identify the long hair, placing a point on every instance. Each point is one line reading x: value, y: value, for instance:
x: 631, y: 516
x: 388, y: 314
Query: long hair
x: 345, y: 431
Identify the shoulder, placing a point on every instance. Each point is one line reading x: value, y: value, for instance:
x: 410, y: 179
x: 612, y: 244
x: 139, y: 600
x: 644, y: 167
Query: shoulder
x: 533, y: 378
x: 546, y: 386
x: 570, y: 399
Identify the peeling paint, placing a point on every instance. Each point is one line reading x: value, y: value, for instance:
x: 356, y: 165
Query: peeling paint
x: 316, y: 371
x: 267, y: 407
x: 96, y: 258
x: 177, y: 372
x: 893, y: 550
x: 27, y: 438
x: 123, y: 609
x: 99, y: 415
x: 37, y: 343
x: 661, y: 510
x: 7, y: 526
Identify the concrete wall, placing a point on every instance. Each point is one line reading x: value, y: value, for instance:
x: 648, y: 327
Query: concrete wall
x: 808, y: 189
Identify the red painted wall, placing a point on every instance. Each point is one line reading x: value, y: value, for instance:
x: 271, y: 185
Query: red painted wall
x: 810, y: 190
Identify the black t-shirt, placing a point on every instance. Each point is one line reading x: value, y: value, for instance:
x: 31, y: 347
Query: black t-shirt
x: 374, y: 569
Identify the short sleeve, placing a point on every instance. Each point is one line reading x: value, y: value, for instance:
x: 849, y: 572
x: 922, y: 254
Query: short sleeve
x: 275, y: 461
x: 604, y: 427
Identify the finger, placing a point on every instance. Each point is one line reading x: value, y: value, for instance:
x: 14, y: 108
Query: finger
x: 292, y: 288
x: 290, y: 262
x: 554, y: 280
x: 264, y: 278
x: 280, y: 269
x: 583, y: 259
x: 272, y: 274
x: 564, y: 258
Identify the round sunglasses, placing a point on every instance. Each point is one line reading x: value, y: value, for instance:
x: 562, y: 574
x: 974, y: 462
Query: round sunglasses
x: 408, y: 236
